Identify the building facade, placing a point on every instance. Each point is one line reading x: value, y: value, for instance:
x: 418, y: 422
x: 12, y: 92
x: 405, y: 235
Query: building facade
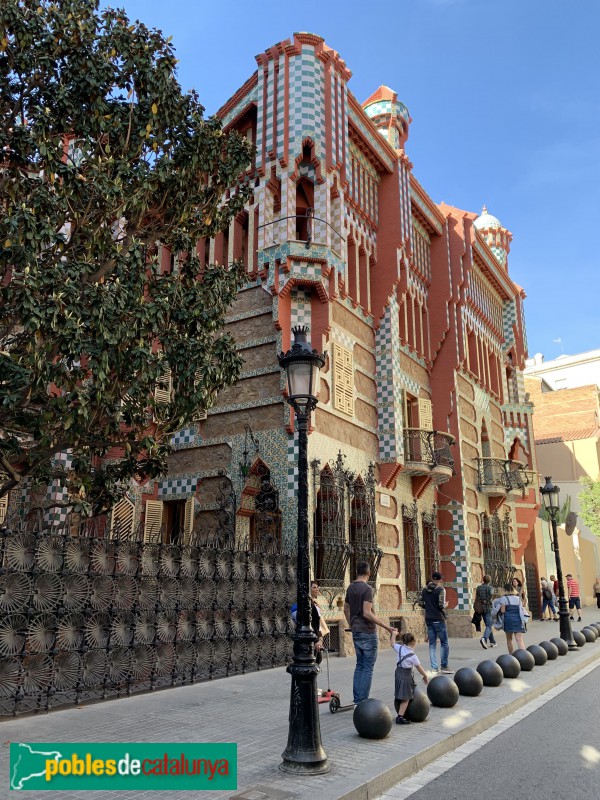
x: 421, y: 448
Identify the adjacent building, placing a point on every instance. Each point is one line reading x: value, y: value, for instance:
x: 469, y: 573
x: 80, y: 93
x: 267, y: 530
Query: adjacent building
x: 567, y: 441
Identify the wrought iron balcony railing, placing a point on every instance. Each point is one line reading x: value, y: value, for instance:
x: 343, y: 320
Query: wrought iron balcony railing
x: 501, y: 473
x: 428, y: 447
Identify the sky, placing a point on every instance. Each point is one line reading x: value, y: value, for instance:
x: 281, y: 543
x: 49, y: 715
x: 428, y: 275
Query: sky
x: 505, y: 102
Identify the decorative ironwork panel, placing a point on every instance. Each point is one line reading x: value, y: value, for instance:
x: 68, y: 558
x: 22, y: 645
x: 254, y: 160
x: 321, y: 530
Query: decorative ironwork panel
x: 84, y: 619
x: 363, y: 527
x: 266, y: 522
x: 497, y: 552
x: 332, y: 550
x: 412, y: 552
x: 431, y: 551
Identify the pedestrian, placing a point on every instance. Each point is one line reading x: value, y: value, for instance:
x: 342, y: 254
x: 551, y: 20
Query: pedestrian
x: 574, y: 598
x: 404, y: 679
x: 514, y: 617
x: 596, y: 591
x: 433, y: 599
x: 518, y: 587
x: 483, y: 604
x: 317, y: 623
x: 548, y: 601
x: 554, y: 585
x: 358, y: 610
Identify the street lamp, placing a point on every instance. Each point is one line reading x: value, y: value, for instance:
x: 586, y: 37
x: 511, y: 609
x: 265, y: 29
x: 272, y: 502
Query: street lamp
x: 549, y: 494
x: 304, y: 754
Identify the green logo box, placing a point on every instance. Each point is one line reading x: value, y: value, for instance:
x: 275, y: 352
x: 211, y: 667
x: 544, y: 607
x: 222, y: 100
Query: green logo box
x: 68, y: 766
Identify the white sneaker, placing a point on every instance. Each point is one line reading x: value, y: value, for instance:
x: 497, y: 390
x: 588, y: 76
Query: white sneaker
x: 483, y: 643
x: 493, y: 644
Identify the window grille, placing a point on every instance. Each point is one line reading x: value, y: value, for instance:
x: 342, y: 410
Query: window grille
x: 412, y: 552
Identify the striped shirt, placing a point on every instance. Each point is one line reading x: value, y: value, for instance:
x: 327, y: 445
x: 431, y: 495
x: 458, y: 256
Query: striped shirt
x: 572, y: 587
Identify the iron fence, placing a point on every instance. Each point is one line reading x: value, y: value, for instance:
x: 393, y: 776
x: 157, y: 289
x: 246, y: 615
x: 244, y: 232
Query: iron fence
x: 84, y: 618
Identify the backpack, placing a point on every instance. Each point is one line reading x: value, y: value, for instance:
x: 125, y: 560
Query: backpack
x: 547, y: 593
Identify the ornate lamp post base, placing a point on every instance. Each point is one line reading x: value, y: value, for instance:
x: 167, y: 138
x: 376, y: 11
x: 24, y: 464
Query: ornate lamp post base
x: 304, y: 754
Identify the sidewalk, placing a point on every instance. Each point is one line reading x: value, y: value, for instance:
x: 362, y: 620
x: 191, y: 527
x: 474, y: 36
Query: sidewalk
x: 252, y: 710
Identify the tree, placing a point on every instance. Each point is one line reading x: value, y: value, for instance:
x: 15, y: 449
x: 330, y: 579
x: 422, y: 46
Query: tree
x: 589, y: 500
x: 105, y: 161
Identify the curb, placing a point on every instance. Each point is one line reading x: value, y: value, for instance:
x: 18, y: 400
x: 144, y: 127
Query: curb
x: 386, y: 780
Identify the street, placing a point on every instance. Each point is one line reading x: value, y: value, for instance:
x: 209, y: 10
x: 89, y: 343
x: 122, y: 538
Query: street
x: 552, y: 752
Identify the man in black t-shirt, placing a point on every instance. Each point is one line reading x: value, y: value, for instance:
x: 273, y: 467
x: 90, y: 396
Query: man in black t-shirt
x: 358, y: 609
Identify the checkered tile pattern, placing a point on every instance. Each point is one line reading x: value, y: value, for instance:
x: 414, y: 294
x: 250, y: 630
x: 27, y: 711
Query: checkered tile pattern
x: 509, y: 318
x: 389, y: 385
x: 292, y: 471
x: 179, y: 486
x: 300, y: 307
x: 461, y: 558
x: 183, y: 437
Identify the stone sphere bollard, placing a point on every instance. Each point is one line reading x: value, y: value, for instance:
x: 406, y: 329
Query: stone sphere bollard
x: 579, y: 638
x: 590, y: 634
x: 525, y: 659
x: 540, y: 656
x: 551, y: 650
x: 491, y: 673
x: 418, y: 708
x: 561, y: 646
x: 469, y: 682
x: 442, y: 691
x: 509, y: 665
x: 372, y: 719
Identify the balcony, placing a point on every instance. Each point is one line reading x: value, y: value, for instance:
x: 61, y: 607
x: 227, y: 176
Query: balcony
x: 428, y: 453
x: 499, y: 477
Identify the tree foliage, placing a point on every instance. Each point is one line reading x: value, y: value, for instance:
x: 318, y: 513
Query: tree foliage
x: 103, y: 159
x: 589, y: 500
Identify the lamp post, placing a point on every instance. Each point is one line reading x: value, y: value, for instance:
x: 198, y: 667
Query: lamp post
x: 549, y: 494
x: 304, y: 754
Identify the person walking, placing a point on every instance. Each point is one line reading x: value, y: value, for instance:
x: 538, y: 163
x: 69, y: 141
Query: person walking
x: 483, y: 605
x: 596, y: 591
x: 433, y: 599
x: 514, y: 617
x: 574, y: 598
x: 358, y: 610
x: 404, y: 679
x: 548, y: 601
x: 518, y: 587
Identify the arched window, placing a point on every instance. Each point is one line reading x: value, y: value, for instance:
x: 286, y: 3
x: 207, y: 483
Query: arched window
x: 331, y: 547
x: 363, y: 530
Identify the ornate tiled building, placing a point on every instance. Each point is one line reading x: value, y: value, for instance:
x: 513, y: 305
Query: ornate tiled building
x: 420, y: 449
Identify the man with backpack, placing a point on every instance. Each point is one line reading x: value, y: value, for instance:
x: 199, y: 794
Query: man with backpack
x: 433, y: 600
x: 483, y: 606
x: 548, y: 601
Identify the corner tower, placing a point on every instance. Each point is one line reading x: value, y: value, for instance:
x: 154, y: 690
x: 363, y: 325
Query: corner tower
x: 496, y: 237
x: 389, y: 115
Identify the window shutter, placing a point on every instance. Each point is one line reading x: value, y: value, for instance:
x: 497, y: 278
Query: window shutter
x: 153, y: 519
x: 164, y: 387
x: 425, y: 415
x: 122, y: 518
x: 343, y: 380
x: 188, y: 520
x: 3, y: 508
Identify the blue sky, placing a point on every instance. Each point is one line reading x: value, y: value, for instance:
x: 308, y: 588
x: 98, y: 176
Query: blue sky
x: 505, y: 105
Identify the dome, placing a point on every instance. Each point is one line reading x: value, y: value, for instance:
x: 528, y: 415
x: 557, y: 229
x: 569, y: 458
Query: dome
x: 486, y: 221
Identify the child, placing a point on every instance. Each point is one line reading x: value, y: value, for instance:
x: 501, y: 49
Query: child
x: 405, y: 682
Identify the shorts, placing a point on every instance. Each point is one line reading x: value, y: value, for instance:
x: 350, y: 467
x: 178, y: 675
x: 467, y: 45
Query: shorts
x: 575, y: 602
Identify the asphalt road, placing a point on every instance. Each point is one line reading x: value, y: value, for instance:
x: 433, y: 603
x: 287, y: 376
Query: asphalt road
x: 553, y: 753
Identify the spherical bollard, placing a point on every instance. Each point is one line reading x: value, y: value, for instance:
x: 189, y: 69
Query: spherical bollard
x: 540, y: 656
x: 579, y: 638
x: 442, y: 691
x: 525, y: 659
x: 509, y: 665
x: 491, y: 673
x: 561, y: 646
x: 372, y: 719
x: 590, y: 634
x: 418, y: 708
x: 595, y: 627
x: 469, y: 682
x: 551, y: 650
